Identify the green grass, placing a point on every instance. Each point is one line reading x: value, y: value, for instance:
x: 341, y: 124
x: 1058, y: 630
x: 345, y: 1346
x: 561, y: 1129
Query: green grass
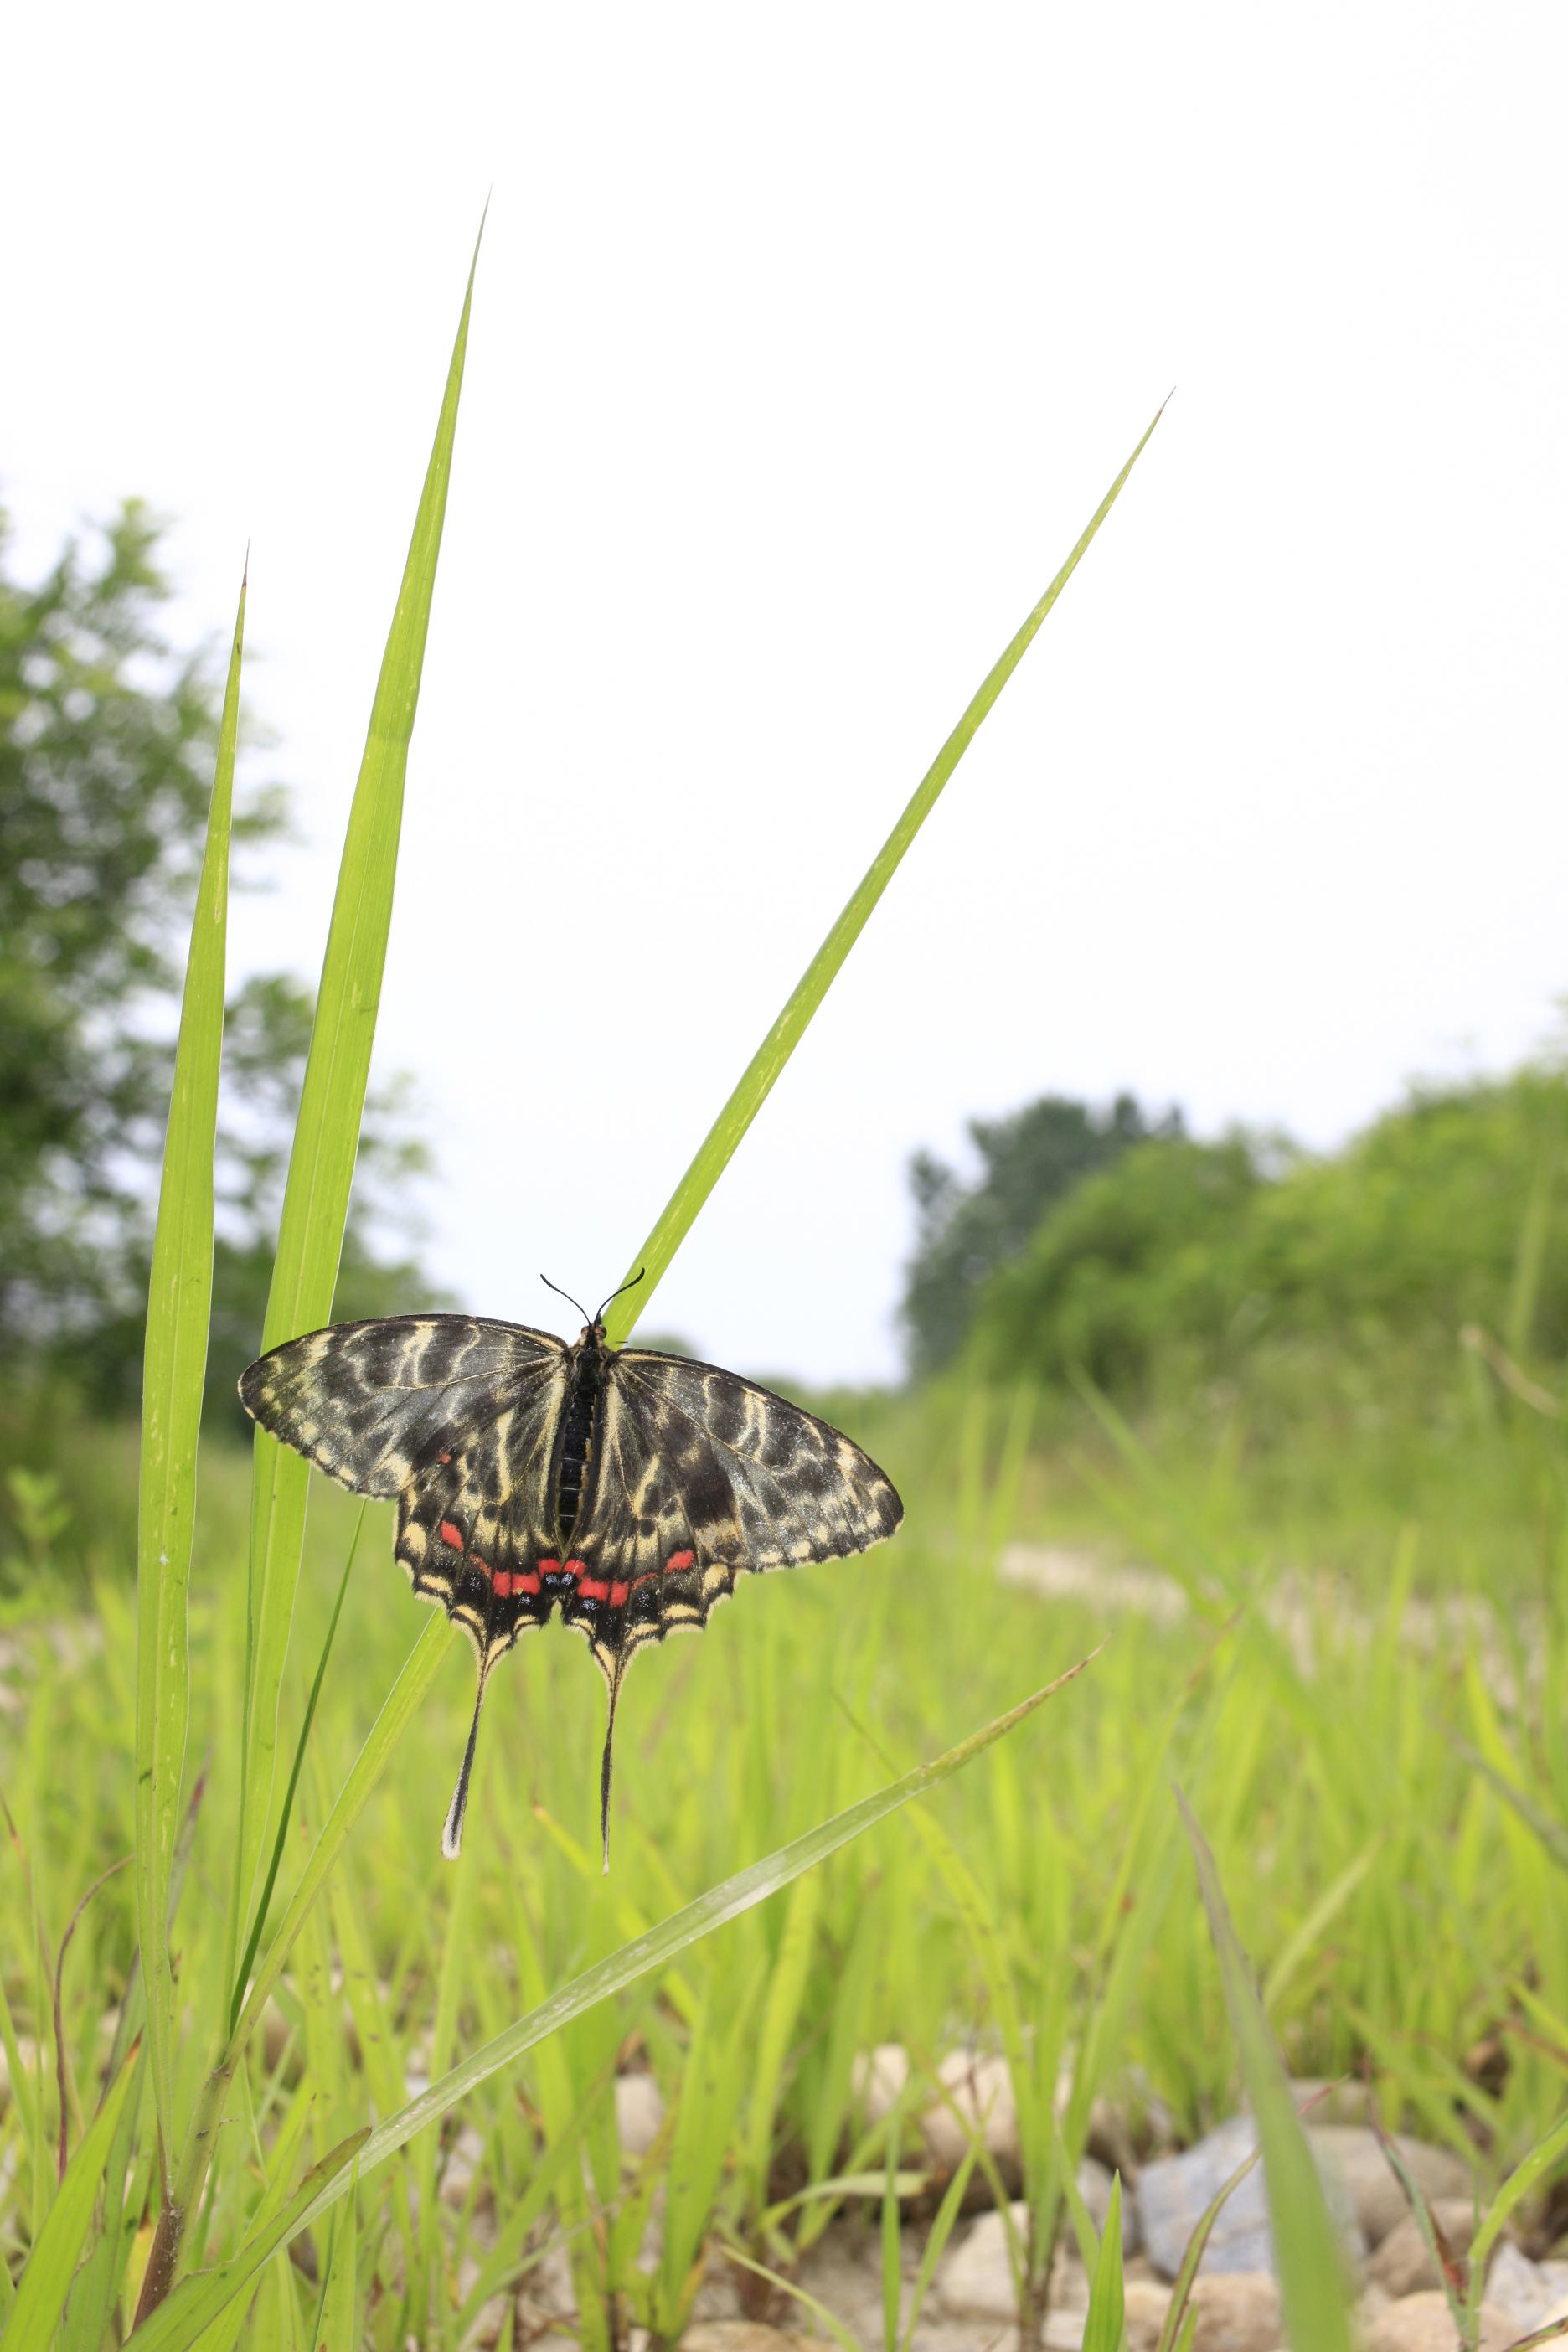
x: 1085, y: 1930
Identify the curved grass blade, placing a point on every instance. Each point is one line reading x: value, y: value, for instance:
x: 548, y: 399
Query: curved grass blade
x: 1526, y: 2176
x: 1307, y: 2254
x: 283, y: 1819
x: 756, y: 1081
x: 326, y: 1134
x: 190, y: 2307
x: 46, y: 2281
x: 1181, y: 2319
x: 175, y: 1363
x: 1104, y: 2329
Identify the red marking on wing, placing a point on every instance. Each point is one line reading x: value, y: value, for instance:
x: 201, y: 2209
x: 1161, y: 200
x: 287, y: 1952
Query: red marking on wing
x: 452, y: 1534
x: 482, y: 1565
x: 443, y: 1457
x: 550, y: 1568
x: 649, y: 1576
x: 501, y: 1583
x: 678, y: 1559
x: 592, y: 1588
x: 525, y: 1579
x: 577, y: 1567
x: 618, y: 1595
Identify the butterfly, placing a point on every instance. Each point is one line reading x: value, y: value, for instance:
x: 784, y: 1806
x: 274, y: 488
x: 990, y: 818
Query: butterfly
x: 624, y: 1486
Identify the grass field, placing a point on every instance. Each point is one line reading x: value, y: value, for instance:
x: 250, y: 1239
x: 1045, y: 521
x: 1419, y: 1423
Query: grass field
x: 1401, y: 1915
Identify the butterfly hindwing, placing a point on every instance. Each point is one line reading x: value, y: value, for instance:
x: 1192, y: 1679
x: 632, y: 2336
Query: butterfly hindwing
x: 701, y: 1477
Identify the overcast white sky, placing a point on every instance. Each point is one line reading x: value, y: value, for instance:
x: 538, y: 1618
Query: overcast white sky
x: 805, y: 341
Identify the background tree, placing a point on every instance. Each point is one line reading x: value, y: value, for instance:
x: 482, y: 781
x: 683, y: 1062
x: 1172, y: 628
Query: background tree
x: 108, y: 740
x: 1031, y: 1161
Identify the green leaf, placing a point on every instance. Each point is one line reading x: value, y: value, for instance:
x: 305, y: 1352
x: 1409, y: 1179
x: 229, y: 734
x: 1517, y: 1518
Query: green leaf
x: 1307, y: 2254
x: 179, y: 1305
x: 326, y: 1134
x: 177, y: 2322
x: 1104, y: 2328
x: 46, y: 2281
x: 756, y: 1081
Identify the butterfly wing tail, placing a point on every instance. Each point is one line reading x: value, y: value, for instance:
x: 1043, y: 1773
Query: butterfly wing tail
x: 452, y: 1835
x: 606, y: 1767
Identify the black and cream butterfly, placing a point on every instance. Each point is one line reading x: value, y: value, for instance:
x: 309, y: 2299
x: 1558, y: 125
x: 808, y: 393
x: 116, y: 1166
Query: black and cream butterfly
x: 626, y: 1487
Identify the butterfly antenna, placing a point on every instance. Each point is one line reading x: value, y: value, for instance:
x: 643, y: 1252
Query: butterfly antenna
x: 452, y: 1835
x: 616, y: 1294
x: 566, y: 1294
x: 606, y: 1767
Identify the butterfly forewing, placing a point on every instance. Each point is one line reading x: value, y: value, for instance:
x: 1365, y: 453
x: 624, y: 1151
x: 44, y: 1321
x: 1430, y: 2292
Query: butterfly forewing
x: 373, y: 1403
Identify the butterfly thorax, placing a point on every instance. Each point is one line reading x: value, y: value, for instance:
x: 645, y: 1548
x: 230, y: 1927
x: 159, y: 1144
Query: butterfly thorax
x: 580, y: 1418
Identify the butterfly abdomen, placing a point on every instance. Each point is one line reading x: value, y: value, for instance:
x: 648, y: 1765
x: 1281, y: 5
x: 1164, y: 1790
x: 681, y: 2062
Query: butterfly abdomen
x: 579, y: 1421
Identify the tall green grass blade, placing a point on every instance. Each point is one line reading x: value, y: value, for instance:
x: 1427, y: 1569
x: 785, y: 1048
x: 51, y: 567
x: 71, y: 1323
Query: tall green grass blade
x: 288, y: 1794
x: 178, y: 2322
x: 326, y: 1134
x: 179, y: 1305
x: 46, y: 2281
x: 398, y: 1710
x: 1104, y: 2329
x: 756, y: 1081
x: 1306, y: 2255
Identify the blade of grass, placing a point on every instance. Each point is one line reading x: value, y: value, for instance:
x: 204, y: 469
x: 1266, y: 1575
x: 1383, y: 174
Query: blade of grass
x: 1307, y: 2254
x: 1524, y: 2177
x: 756, y: 1081
x: 824, y: 2318
x: 1103, y: 2328
x: 326, y: 1134
x: 178, y: 2322
x: 46, y: 2283
x: 288, y: 1795
x: 1175, y: 2329
x: 175, y: 1363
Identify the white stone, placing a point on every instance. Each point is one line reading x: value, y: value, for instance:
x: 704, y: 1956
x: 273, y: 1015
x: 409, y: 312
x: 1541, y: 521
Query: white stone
x: 974, y: 2279
x: 1238, y: 2311
x: 1375, y: 2187
x: 739, y: 2335
x: 639, y: 2113
x: 1402, y: 2263
x: 980, y: 2090
x: 1424, y: 2323
x: 1532, y: 2294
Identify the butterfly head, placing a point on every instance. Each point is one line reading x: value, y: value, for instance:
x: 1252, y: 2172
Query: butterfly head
x: 593, y: 1333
